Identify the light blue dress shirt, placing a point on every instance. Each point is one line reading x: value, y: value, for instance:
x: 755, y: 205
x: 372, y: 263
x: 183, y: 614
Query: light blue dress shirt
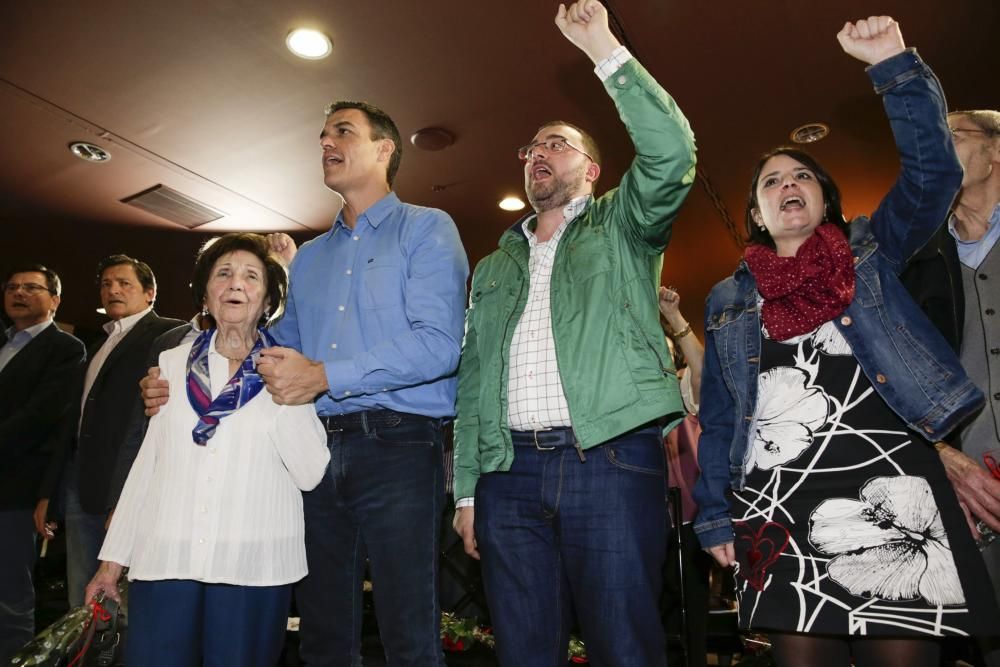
x: 382, y: 306
x: 972, y: 253
x: 16, y: 340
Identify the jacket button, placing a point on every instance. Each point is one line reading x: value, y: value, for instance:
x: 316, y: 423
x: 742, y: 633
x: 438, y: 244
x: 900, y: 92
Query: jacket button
x: 880, y: 378
x: 990, y: 311
x: 996, y: 396
x: 857, y: 259
x: 995, y: 350
x: 983, y: 276
x: 928, y: 429
x: 846, y: 320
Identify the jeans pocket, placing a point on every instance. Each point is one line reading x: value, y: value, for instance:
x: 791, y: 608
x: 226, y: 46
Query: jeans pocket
x: 641, y: 457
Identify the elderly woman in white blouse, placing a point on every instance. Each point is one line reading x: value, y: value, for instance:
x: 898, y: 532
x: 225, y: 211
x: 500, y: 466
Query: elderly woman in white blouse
x: 210, y: 521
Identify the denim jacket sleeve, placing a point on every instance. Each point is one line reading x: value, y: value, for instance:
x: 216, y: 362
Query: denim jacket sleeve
x: 930, y: 173
x: 713, y: 525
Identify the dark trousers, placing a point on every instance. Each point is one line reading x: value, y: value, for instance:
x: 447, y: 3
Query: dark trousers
x: 694, y: 577
x: 180, y: 623
x: 84, y: 537
x: 381, y: 498
x: 17, y: 593
x: 558, y: 535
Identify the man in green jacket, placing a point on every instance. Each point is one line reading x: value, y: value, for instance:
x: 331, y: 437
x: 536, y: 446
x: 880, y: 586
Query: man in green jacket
x: 565, y: 383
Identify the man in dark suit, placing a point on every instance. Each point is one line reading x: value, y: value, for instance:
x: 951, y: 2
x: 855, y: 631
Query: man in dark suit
x: 107, y: 394
x: 38, y: 363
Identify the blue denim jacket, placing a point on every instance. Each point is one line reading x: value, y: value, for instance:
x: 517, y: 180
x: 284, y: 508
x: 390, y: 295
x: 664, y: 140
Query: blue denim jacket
x: 907, y: 361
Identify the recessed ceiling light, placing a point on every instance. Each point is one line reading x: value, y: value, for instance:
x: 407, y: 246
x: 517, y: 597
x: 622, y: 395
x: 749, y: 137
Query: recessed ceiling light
x: 309, y: 44
x: 809, y: 133
x: 511, y: 204
x: 89, y: 152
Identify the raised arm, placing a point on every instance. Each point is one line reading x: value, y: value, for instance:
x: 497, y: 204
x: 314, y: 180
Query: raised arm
x: 654, y: 187
x: 930, y: 174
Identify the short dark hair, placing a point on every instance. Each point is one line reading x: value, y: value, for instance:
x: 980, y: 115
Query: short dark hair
x: 831, y: 194
x: 51, y: 278
x: 382, y: 128
x: 142, y: 270
x: 589, y: 145
x: 255, y: 244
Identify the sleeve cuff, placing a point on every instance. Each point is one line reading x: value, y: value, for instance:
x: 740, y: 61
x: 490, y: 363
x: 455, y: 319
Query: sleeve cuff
x: 612, y: 63
x: 342, y: 379
x: 895, y: 70
x: 465, y: 502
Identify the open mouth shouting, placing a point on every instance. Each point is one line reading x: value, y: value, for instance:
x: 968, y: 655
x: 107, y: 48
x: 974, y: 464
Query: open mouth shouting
x: 792, y: 202
x: 540, y: 171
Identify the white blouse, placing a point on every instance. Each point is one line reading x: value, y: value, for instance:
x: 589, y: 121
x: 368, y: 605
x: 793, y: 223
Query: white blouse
x: 229, y: 512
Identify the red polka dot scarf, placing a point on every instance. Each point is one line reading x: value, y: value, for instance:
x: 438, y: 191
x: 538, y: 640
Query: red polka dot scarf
x: 802, y: 292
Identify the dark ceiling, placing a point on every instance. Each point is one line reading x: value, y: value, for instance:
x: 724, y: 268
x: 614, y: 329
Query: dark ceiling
x: 202, y: 96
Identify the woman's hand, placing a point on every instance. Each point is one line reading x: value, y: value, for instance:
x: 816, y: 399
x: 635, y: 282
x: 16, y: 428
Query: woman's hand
x: 105, y: 581
x: 724, y: 554
x: 871, y: 40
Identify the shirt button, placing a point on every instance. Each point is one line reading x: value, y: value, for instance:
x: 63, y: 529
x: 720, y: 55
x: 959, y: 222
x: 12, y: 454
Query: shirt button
x: 356, y: 237
x: 846, y: 320
x: 340, y: 308
x: 201, y: 540
x: 208, y: 479
x: 348, y: 272
x: 622, y: 80
x: 880, y: 378
x: 204, y: 509
x: 347, y: 393
x: 333, y: 346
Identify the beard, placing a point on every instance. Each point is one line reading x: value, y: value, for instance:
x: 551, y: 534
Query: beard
x: 557, y: 192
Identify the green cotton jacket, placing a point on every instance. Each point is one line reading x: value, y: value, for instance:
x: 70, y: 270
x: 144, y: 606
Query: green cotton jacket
x: 616, y: 371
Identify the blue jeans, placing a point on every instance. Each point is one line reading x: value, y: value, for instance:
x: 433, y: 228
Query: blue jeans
x: 558, y: 535
x: 17, y: 593
x: 183, y: 623
x: 382, y: 497
x: 84, y: 537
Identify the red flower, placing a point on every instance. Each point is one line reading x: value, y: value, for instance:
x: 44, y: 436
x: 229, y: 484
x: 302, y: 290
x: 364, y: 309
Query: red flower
x: 450, y: 644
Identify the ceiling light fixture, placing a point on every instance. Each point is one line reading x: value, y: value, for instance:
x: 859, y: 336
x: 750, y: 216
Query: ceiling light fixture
x: 432, y: 139
x: 309, y: 44
x: 511, y: 204
x: 809, y: 133
x: 89, y: 152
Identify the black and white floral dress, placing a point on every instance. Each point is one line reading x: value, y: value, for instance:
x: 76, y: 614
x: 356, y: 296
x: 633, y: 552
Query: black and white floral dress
x: 847, y: 524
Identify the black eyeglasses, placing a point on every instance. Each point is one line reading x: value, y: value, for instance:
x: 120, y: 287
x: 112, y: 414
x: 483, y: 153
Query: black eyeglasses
x: 553, y: 145
x: 30, y: 288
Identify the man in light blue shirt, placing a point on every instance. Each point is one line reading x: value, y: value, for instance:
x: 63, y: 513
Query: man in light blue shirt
x: 372, y: 333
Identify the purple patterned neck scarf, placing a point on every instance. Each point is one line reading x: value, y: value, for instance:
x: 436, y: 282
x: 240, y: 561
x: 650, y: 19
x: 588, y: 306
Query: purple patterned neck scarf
x: 243, y: 386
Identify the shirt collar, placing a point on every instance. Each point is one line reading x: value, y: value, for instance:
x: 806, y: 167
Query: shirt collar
x: 994, y: 219
x: 373, y: 215
x: 31, y: 331
x: 125, y: 324
x: 570, y: 211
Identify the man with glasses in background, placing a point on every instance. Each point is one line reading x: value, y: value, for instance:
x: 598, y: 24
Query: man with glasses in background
x: 565, y: 383
x: 955, y: 280
x: 37, y: 365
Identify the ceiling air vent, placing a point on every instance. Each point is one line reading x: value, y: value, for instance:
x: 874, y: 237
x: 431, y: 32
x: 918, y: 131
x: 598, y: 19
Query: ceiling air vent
x: 174, y: 206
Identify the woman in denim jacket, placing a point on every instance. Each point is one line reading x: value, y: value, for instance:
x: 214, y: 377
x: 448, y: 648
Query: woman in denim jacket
x: 824, y: 387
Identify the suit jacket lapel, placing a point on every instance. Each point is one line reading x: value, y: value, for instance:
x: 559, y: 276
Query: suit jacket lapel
x: 28, y: 353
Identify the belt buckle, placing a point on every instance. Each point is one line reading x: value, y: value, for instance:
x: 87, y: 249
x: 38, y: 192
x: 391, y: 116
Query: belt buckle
x: 541, y: 448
